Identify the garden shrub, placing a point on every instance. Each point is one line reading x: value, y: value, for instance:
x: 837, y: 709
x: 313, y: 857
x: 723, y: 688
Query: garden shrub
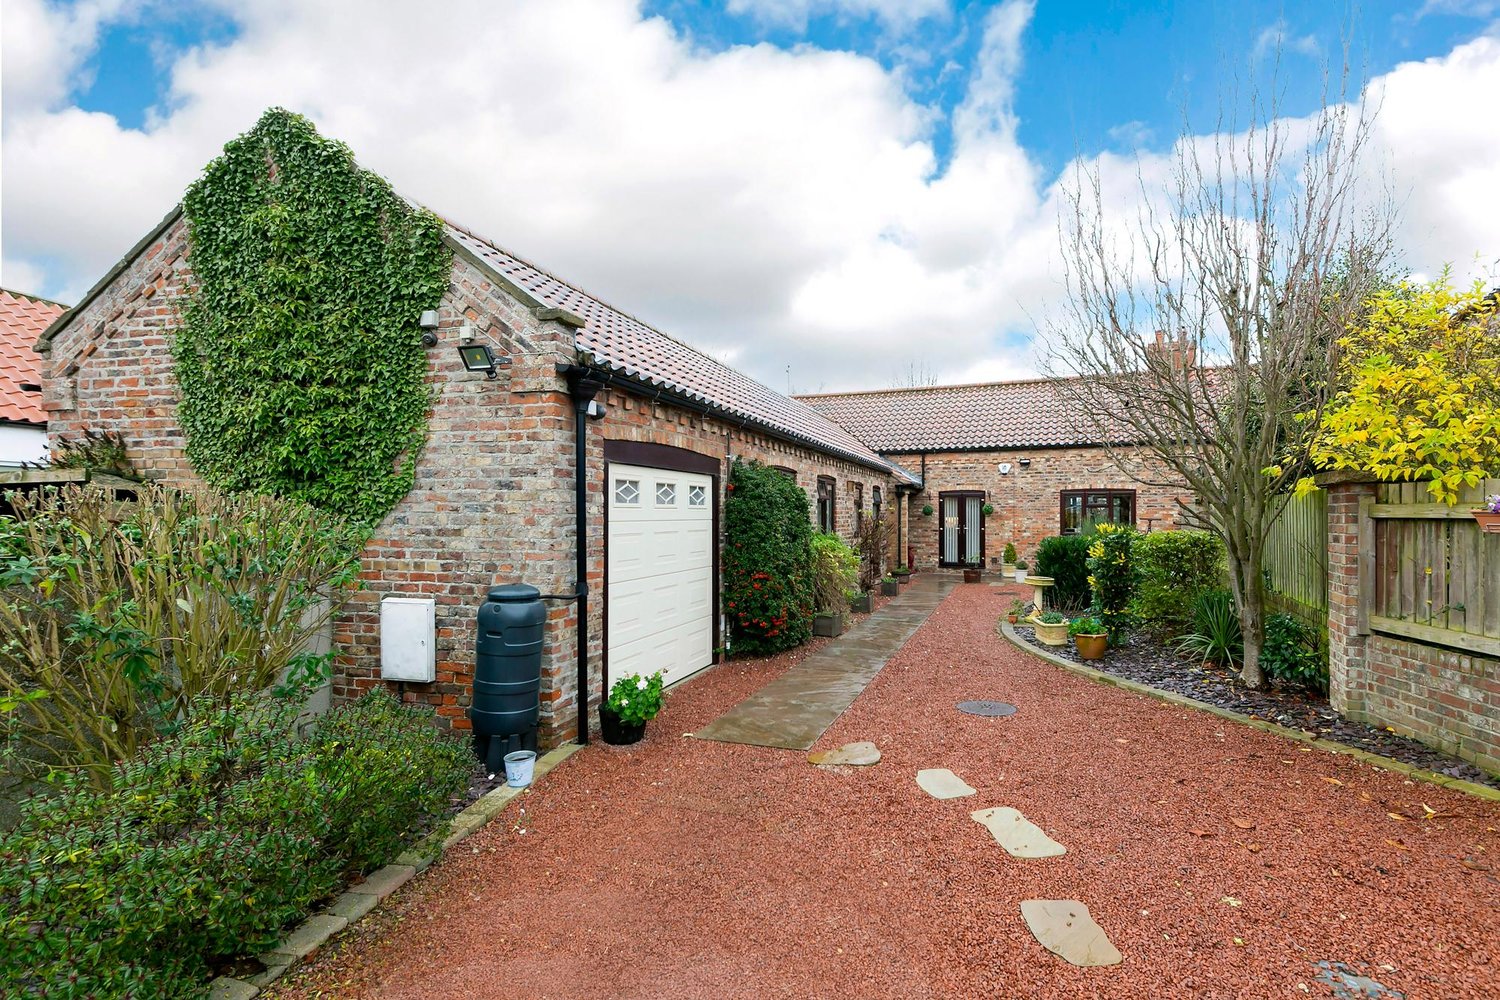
x: 835, y: 571
x: 117, y: 619
x: 767, y: 561
x: 1216, y: 637
x: 1112, y: 577
x: 1174, y: 569
x: 210, y: 842
x: 1291, y: 654
x: 1065, y: 559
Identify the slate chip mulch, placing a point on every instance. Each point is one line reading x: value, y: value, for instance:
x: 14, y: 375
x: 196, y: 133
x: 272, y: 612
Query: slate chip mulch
x: 1148, y: 662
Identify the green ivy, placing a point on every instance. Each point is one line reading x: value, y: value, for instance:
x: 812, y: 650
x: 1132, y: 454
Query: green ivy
x: 300, y: 363
x: 768, y: 592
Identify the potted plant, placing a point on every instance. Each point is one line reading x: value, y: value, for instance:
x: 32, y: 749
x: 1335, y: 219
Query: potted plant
x: 902, y: 574
x: 889, y: 587
x: 1017, y: 609
x: 1008, y: 560
x: 835, y: 571
x: 988, y: 509
x: 971, y: 571
x: 927, y: 510
x: 1021, y: 568
x: 1488, y: 515
x: 633, y: 701
x: 1051, y: 628
x: 1090, y: 637
x: 872, y: 539
x: 861, y: 601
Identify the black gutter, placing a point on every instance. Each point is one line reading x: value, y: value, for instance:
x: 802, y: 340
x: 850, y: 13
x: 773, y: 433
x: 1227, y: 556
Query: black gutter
x: 583, y: 389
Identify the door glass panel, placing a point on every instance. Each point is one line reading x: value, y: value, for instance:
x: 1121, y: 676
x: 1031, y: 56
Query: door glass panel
x: 973, y: 529
x: 627, y: 491
x: 950, y: 529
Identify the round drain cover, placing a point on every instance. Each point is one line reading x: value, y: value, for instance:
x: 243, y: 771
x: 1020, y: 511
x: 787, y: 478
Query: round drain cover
x: 994, y: 709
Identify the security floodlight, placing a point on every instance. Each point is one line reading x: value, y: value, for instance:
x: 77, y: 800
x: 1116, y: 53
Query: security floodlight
x: 477, y: 358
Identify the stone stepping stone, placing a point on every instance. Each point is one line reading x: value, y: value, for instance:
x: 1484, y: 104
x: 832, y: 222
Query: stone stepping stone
x: 1020, y: 837
x: 1064, y: 927
x: 941, y: 783
x: 861, y: 754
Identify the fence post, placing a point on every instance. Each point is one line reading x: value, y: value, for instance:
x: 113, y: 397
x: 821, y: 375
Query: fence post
x: 1351, y: 581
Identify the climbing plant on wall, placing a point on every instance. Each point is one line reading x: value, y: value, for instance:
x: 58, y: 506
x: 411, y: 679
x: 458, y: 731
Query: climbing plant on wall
x: 299, y: 361
x: 768, y: 599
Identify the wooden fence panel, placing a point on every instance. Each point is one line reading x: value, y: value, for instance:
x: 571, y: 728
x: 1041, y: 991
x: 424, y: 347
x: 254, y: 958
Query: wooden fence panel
x: 1437, y: 576
x: 1296, y: 556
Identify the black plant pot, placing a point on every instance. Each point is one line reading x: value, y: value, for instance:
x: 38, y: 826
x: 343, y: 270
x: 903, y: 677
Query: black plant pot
x: 890, y: 588
x: 863, y: 604
x: 616, y: 732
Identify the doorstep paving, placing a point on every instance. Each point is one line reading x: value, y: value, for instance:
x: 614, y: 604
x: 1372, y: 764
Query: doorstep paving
x: 792, y: 711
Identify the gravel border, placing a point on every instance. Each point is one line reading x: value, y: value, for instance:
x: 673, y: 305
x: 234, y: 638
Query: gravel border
x: 1373, y: 759
x: 304, y: 940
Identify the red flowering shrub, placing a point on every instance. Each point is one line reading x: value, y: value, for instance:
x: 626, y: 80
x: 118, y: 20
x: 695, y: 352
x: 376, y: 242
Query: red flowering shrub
x: 767, y: 561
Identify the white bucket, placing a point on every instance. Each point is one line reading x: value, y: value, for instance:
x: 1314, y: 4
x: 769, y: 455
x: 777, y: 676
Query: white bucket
x: 518, y: 768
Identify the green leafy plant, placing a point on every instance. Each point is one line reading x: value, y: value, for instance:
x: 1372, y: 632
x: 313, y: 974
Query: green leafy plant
x: 102, y: 451
x: 1009, y: 558
x: 902, y: 569
x: 927, y: 510
x: 835, y: 568
x: 1065, y: 559
x: 1174, y: 568
x: 1020, y: 564
x: 1112, y: 578
x: 210, y: 842
x: 1216, y: 637
x: 1017, y: 607
x: 1052, y: 618
x: 1087, y: 625
x: 636, y: 699
x: 767, y: 561
x: 988, y: 509
x: 299, y: 362
x: 1292, y: 655
x: 118, y: 620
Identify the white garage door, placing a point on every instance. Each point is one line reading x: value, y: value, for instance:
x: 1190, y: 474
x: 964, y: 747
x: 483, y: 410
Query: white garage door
x: 660, y: 572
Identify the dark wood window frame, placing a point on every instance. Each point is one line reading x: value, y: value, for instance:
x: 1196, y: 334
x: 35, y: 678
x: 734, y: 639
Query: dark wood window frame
x: 825, y: 508
x: 1105, y: 498
x: 875, y: 499
x: 859, y: 505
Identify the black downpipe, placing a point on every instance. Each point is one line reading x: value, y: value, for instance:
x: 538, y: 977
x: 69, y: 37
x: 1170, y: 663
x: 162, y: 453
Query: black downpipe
x: 583, y: 391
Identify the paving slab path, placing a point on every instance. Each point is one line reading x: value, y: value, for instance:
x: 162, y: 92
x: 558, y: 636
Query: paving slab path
x: 688, y: 869
x: 794, y: 710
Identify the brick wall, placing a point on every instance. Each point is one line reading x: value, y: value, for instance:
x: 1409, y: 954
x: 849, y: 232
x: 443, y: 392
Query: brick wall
x: 493, y: 497
x: 1446, y: 698
x: 1026, y: 500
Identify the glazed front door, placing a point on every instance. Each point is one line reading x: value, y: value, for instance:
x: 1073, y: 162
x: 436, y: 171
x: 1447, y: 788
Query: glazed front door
x: 961, y: 532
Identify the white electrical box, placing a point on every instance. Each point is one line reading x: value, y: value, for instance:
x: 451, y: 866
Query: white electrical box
x: 408, y: 634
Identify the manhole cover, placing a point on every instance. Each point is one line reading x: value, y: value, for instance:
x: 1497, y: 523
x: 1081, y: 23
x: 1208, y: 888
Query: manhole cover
x: 994, y: 709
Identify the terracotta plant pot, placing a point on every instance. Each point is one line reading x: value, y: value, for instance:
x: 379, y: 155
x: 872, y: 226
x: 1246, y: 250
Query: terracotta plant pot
x: 1012, y: 618
x: 1091, y: 647
x: 1051, y: 635
x: 616, y: 732
x: 1489, y: 523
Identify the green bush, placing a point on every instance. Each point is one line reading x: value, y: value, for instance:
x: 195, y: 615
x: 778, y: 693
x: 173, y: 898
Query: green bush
x: 767, y: 561
x: 1112, y: 578
x: 1174, y: 569
x: 116, y: 620
x: 1065, y: 559
x: 835, y: 571
x: 1216, y: 636
x: 1009, y: 556
x: 1291, y: 654
x: 210, y: 842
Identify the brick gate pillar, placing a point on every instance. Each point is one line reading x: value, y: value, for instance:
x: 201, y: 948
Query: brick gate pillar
x: 1351, y: 554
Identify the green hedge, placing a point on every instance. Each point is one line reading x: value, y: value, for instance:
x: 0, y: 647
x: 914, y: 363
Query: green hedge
x: 768, y: 597
x: 1173, y: 570
x: 1065, y: 559
x: 209, y: 843
x: 1112, y: 577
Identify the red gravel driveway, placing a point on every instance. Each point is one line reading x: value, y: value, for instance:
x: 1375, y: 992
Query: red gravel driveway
x: 1222, y: 861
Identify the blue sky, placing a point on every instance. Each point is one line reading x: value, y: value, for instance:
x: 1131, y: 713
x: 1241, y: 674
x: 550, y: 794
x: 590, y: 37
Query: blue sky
x: 820, y: 185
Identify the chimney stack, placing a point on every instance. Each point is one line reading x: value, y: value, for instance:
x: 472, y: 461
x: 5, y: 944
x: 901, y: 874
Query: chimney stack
x: 1181, y: 352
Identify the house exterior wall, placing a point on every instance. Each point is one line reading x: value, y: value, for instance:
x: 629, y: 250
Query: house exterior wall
x: 493, y: 496
x: 1026, y: 500
x: 1446, y: 698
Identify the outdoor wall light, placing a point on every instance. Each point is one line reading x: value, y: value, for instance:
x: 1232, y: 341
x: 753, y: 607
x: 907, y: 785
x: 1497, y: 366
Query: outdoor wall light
x: 477, y: 358
x: 1025, y: 462
x: 428, y: 320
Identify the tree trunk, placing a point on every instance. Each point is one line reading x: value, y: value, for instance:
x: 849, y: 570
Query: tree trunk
x: 1244, y: 572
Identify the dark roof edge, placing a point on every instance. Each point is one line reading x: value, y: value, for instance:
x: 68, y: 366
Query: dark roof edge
x: 612, y: 376
x: 44, y: 342
x: 35, y: 298
x: 942, y: 449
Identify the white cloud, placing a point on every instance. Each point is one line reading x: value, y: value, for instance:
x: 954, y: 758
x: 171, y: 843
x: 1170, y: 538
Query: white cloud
x: 1275, y: 40
x: 795, y: 13
x: 772, y: 207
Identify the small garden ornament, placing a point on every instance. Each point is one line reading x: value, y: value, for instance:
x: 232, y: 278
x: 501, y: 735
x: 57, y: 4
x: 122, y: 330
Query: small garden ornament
x: 1488, y: 515
x: 1090, y: 637
x: 633, y: 701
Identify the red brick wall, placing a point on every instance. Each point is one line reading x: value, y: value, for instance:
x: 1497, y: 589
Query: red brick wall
x: 1446, y: 698
x: 493, y: 498
x: 1026, y: 500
